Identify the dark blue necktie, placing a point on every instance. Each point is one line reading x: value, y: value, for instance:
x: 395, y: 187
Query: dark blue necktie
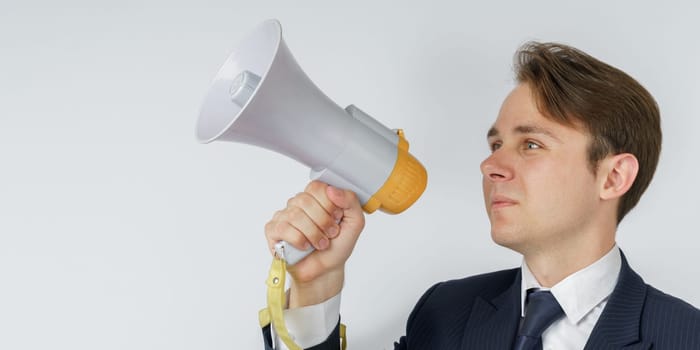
x: 542, y: 310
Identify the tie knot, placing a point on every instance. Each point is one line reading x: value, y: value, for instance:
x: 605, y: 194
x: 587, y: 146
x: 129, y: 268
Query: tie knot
x: 542, y: 310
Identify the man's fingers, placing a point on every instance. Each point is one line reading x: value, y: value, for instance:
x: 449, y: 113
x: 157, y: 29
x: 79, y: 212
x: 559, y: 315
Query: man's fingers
x: 314, y: 216
x: 301, y: 221
x: 277, y: 231
x: 300, y: 232
x: 312, y: 207
x: 304, y: 221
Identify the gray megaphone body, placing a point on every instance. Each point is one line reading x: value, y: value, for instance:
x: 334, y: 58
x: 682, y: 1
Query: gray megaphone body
x: 261, y: 97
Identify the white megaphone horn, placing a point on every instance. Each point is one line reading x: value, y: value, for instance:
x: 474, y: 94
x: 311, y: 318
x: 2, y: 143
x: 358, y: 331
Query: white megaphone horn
x: 262, y: 97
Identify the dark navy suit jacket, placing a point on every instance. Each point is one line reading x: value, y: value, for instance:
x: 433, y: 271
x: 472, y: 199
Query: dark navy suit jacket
x: 483, y: 312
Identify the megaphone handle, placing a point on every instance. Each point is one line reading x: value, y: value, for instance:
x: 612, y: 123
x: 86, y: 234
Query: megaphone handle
x: 291, y: 254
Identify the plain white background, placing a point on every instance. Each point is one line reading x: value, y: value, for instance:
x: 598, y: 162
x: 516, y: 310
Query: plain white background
x: 119, y: 231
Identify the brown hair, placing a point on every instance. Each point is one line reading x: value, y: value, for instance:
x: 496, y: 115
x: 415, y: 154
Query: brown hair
x: 574, y: 88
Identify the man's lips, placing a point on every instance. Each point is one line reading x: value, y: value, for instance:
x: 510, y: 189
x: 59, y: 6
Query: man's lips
x: 499, y: 201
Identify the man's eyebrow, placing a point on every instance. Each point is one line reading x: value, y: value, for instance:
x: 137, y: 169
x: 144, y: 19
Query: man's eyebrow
x: 532, y: 129
x: 524, y: 129
x: 492, y: 132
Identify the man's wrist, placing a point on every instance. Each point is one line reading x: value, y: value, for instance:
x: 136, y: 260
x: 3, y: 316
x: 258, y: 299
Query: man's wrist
x: 317, y: 291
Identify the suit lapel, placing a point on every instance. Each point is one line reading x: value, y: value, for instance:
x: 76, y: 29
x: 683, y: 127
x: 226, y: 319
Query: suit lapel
x: 619, y: 324
x: 492, y: 323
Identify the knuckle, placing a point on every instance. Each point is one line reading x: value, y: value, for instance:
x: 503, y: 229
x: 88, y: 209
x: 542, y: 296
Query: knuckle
x: 269, y: 228
x: 295, y: 214
x: 276, y: 229
x: 291, y: 201
x: 305, y: 200
x: 314, y: 186
x: 283, y: 231
x: 301, y: 200
x: 276, y: 215
x: 317, y: 191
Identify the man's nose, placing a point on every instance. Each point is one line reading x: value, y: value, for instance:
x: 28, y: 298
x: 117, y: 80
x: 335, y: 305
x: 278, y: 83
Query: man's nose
x: 497, y: 167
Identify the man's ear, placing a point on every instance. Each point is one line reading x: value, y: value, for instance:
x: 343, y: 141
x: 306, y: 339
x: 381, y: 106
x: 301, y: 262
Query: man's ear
x: 619, y: 172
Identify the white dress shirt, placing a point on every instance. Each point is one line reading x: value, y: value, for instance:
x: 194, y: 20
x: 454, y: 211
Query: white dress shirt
x: 582, y: 295
x: 310, y: 325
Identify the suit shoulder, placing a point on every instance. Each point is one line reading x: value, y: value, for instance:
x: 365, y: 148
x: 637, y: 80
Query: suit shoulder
x: 670, y: 321
x: 487, y: 285
x: 502, y: 277
x: 660, y: 302
x: 438, y: 319
x: 460, y: 293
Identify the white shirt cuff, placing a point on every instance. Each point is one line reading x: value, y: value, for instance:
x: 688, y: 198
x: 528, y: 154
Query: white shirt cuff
x: 310, y: 325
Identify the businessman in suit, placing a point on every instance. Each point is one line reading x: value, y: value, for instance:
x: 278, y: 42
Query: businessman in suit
x: 573, y: 148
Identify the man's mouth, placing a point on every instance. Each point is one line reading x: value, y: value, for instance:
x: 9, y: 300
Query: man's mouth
x: 500, y: 201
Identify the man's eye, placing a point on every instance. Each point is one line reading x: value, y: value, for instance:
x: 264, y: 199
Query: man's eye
x: 494, y: 146
x: 531, y: 145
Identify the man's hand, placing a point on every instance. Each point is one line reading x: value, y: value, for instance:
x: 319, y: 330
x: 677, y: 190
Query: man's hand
x: 329, y: 219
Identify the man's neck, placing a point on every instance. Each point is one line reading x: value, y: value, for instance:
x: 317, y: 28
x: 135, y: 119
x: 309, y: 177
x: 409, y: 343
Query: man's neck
x: 553, y: 264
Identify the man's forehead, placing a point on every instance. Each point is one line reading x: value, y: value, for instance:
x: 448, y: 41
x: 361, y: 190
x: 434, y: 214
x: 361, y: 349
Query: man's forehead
x: 519, y: 114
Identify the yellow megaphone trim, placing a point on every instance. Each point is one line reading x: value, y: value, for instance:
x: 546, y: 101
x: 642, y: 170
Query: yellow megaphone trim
x: 403, y: 187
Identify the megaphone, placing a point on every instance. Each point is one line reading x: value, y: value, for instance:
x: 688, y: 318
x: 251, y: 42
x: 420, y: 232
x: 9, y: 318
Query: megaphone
x: 261, y: 97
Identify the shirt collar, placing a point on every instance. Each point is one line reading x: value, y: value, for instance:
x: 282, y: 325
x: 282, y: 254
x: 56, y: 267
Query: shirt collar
x: 581, y: 291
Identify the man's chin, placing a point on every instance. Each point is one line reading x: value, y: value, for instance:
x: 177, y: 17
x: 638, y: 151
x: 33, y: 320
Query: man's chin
x: 510, y: 239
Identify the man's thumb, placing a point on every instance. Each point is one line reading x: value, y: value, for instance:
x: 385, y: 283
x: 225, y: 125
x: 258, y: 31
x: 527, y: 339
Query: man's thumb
x: 342, y: 198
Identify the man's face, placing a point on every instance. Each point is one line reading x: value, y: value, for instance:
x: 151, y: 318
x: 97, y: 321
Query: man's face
x: 538, y: 187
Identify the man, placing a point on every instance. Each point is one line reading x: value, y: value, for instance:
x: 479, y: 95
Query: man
x: 575, y: 145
